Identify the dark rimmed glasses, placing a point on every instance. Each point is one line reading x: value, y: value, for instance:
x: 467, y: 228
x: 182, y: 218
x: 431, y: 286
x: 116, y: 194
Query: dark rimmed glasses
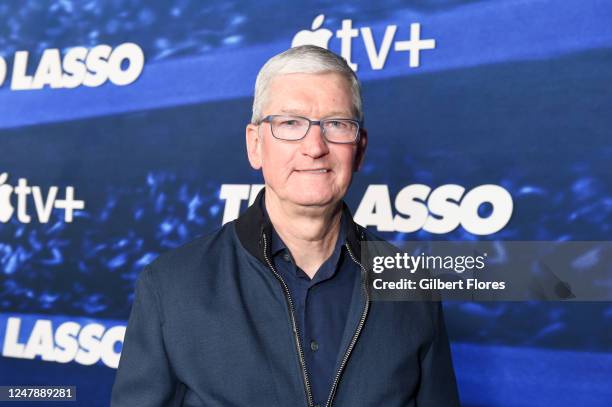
x: 294, y: 128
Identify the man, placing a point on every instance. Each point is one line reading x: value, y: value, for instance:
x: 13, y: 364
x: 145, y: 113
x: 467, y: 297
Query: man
x: 272, y: 309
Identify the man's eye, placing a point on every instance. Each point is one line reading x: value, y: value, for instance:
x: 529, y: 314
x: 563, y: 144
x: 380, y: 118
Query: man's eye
x: 289, y: 123
x: 337, y: 124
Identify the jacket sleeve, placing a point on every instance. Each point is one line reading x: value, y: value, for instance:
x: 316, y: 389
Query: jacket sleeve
x: 144, y: 376
x: 438, y: 387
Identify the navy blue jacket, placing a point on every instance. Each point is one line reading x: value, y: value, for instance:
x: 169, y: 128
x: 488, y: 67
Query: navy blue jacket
x: 212, y: 324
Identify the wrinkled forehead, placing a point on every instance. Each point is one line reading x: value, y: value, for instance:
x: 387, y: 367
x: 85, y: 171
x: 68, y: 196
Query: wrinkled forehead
x: 296, y: 93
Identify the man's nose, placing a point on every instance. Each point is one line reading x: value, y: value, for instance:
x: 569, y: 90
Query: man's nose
x: 314, y: 144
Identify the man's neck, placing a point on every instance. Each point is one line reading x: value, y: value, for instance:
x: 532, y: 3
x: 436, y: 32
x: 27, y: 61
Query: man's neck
x: 310, y: 234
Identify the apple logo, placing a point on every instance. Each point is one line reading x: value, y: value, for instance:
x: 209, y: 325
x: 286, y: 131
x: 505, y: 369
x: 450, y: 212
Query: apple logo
x: 6, y: 209
x: 319, y: 37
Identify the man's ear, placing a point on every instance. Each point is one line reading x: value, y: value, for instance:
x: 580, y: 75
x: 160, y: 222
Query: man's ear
x: 361, y: 149
x: 253, y: 145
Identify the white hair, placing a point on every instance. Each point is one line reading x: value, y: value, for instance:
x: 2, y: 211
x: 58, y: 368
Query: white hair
x: 304, y: 59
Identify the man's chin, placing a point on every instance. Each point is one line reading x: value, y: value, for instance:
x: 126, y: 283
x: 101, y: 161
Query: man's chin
x: 312, y: 199
x: 308, y: 195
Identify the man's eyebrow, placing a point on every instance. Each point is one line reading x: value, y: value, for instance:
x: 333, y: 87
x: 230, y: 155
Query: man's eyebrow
x: 336, y: 114
x: 292, y: 111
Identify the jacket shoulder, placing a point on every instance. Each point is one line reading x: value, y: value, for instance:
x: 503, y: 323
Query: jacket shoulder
x: 189, y: 256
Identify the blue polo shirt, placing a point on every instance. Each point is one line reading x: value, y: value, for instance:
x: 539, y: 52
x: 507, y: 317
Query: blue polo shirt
x: 321, y: 305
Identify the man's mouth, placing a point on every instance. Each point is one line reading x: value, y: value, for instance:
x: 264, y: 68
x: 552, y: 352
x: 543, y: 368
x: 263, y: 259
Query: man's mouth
x: 314, y: 170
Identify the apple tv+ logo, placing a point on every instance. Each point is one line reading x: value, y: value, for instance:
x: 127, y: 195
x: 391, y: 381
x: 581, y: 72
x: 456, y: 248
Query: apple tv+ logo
x: 377, y: 55
x: 43, y: 205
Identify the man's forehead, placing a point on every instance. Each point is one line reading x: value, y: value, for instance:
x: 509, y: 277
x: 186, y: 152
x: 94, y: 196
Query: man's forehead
x: 327, y: 79
x: 283, y: 103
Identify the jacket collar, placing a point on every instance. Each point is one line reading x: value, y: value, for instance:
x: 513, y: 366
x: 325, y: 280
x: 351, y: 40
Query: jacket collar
x: 252, y: 227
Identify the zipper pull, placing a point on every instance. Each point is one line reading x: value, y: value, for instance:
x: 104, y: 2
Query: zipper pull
x: 261, y: 234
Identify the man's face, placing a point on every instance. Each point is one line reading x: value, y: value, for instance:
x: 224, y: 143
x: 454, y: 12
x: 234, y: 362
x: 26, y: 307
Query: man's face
x: 292, y: 169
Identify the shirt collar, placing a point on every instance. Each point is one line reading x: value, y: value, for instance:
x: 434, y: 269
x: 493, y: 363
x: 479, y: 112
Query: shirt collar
x: 278, y: 245
x: 253, y: 230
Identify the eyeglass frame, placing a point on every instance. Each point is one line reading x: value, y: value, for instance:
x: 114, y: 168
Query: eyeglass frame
x: 268, y: 119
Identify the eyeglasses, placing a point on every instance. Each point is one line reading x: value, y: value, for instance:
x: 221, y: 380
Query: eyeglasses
x: 293, y: 128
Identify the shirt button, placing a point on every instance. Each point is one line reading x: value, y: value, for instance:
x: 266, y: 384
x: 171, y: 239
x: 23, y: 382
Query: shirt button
x: 314, y: 345
x: 286, y: 257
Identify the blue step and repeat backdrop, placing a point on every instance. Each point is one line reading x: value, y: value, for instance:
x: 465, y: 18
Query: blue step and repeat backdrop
x: 122, y: 136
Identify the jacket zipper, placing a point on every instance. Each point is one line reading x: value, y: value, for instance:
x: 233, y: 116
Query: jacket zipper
x: 296, y: 334
x: 293, y: 323
x: 364, y: 314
